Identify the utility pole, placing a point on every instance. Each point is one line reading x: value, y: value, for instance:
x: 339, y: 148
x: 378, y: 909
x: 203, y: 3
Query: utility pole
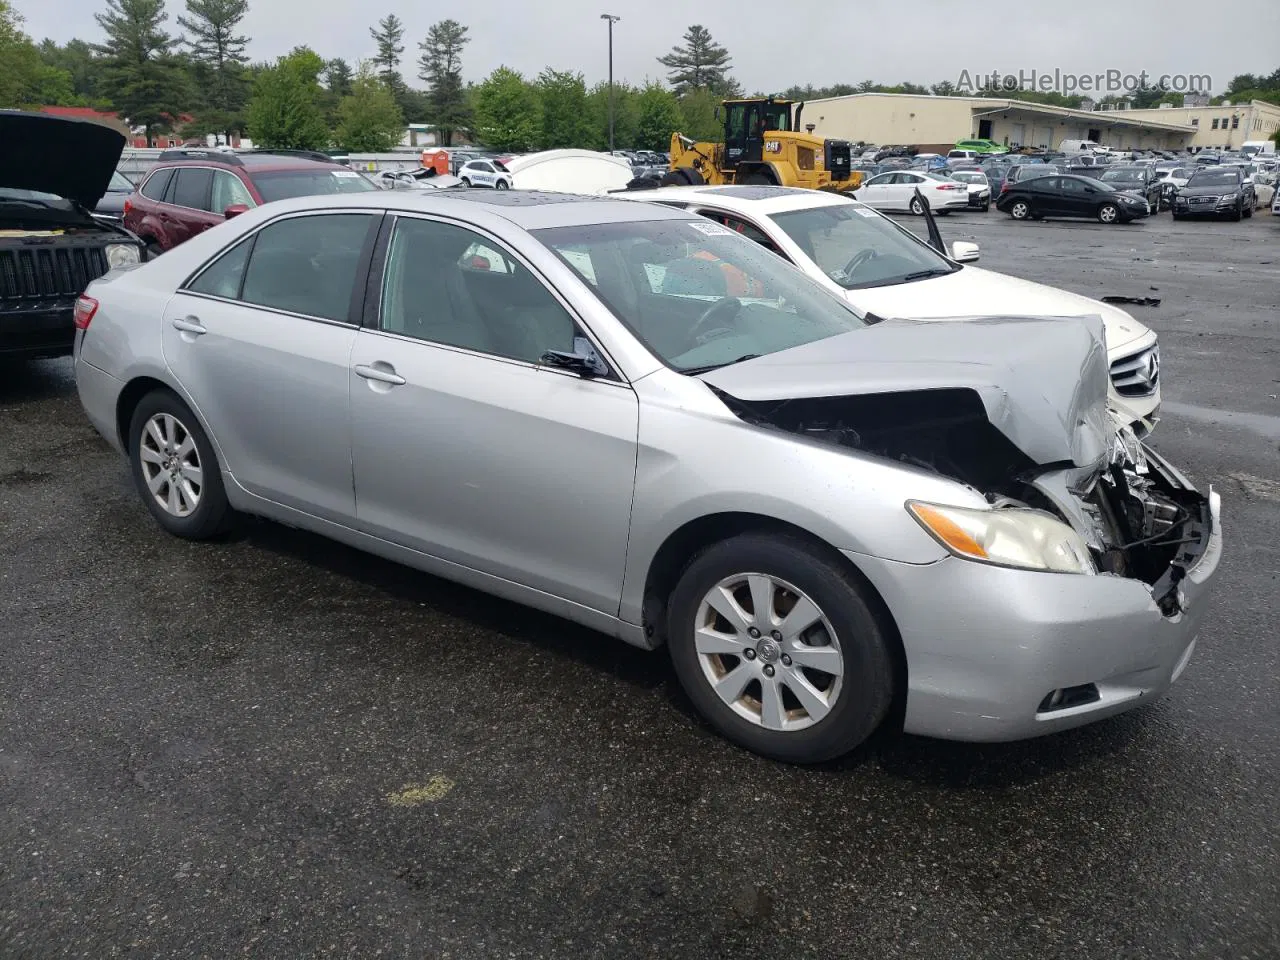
x: 612, y: 20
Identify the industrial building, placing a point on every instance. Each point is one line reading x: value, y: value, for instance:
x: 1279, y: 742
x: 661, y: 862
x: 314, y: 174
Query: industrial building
x: 936, y: 123
x: 1226, y: 125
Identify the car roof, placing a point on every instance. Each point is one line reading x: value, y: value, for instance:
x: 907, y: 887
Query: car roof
x: 527, y: 209
x: 248, y: 161
x: 748, y: 199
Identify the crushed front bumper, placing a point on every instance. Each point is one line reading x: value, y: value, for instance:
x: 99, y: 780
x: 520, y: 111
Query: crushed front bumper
x: 988, y: 648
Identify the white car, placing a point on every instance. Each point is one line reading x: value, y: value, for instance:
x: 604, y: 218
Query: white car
x: 979, y: 187
x: 484, y: 173
x: 896, y: 190
x: 883, y: 269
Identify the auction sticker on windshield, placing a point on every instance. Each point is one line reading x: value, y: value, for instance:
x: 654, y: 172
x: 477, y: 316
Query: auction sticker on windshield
x: 346, y: 174
x: 712, y: 229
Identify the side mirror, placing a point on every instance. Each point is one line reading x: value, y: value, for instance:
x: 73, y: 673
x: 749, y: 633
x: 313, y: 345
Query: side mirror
x: 962, y: 251
x: 235, y: 210
x: 582, y: 359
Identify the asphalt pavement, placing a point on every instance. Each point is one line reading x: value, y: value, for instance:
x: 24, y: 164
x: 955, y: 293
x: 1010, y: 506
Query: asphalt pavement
x: 275, y: 746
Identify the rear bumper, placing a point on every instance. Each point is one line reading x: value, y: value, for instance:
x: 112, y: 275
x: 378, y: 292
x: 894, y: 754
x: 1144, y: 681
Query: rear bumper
x: 37, y: 329
x: 991, y: 645
x: 99, y: 395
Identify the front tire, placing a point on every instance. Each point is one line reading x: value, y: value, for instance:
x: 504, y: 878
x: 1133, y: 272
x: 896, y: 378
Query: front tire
x: 776, y: 644
x: 916, y: 207
x: 1020, y: 210
x: 1108, y: 213
x: 175, y: 469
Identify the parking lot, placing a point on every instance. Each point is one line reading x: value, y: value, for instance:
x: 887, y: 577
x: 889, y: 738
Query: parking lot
x: 276, y: 746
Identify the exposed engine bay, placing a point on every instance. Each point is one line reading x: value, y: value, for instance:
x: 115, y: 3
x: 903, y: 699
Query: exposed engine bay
x: 1140, y: 518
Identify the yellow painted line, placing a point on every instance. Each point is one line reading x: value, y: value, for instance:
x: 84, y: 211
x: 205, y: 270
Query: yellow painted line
x: 415, y: 795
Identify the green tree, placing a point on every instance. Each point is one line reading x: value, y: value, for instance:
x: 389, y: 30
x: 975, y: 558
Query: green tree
x: 440, y: 65
x: 25, y: 78
x: 701, y: 64
x: 76, y: 58
x: 369, y: 120
x: 285, y: 110
x: 506, y: 111
x: 143, y: 79
x: 657, y: 117
x: 565, y: 123
x: 389, y: 36
x: 626, y: 115
x: 338, y: 77
x: 217, y: 52
x: 699, y: 111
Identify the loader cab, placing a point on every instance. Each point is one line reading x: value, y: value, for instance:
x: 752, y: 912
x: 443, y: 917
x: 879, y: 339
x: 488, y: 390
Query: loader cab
x: 745, y: 124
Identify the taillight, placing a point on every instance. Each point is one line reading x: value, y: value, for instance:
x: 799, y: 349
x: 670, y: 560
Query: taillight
x: 1005, y: 187
x: 128, y: 205
x: 86, y: 307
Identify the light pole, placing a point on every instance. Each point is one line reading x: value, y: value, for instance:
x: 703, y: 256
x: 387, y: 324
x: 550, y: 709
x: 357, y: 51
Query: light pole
x: 612, y: 20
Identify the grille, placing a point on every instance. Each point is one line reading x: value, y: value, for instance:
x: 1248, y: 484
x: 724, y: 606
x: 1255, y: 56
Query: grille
x: 1137, y: 375
x: 837, y: 158
x: 40, y: 273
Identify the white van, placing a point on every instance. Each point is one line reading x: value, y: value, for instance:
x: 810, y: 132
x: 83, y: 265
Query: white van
x: 1077, y: 147
x: 1258, y: 148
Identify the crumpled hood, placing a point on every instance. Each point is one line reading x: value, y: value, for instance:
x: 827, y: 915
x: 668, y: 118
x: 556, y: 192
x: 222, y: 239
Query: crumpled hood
x: 1042, y: 381
x: 68, y: 158
x: 973, y: 291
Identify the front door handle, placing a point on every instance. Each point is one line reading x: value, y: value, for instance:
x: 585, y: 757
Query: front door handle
x: 381, y: 372
x: 190, y: 325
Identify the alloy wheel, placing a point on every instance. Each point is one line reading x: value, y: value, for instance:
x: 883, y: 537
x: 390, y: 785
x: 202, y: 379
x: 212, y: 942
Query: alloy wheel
x: 171, y: 465
x: 768, y: 651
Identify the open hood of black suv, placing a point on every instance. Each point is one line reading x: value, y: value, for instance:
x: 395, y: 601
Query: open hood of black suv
x: 69, y: 158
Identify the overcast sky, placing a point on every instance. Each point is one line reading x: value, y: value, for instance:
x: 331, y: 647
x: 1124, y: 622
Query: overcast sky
x: 773, y: 45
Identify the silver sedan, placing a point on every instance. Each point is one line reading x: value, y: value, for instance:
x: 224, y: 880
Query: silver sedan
x: 641, y: 421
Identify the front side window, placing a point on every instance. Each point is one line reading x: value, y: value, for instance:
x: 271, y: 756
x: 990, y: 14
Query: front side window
x: 697, y: 294
x: 446, y: 284
x: 858, y: 249
x: 229, y: 190
x: 308, y: 265
x: 313, y: 182
x: 192, y: 187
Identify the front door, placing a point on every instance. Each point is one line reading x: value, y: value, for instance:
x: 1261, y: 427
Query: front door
x: 262, y: 339
x: 468, y: 450
x: 877, y: 192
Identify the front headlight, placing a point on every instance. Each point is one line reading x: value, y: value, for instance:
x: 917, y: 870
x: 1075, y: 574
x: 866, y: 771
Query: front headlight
x: 1007, y: 537
x: 1230, y: 196
x: 120, y: 254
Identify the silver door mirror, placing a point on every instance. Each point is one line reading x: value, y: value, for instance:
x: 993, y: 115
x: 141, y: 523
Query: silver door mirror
x: 962, y: 251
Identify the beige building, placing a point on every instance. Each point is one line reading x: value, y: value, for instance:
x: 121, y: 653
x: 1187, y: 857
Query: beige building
x: 936, y: 123
x: 1226, y: 125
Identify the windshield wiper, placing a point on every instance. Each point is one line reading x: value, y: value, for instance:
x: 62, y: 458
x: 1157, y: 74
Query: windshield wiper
x: 694, y: 371
x: 925, y: 274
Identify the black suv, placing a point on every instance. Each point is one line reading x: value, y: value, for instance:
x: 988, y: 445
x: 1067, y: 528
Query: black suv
x: 1135, y: 178
x: 52, y: 173
x: 1216, y: 191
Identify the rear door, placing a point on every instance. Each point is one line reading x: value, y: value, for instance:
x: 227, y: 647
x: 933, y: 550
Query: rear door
x: 261, y: 340
x: 904, y: 189
x: 190, y: 211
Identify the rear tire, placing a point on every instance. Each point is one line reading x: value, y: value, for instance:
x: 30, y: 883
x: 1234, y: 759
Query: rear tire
x: 502, y: 185
x: 1020, y: 210
x: 1237, y: 213
x: 844, y: 675
x: 175, y: 469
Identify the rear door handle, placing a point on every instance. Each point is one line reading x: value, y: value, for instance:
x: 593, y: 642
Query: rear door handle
x: 189, y: 325
x: 381, y: 372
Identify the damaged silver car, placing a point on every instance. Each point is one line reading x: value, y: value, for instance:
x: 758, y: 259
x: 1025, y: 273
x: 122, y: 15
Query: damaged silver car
x: 637, y: 419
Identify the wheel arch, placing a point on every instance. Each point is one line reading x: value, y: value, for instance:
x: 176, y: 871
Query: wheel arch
x: 677, y: 551
x: 138, y: 387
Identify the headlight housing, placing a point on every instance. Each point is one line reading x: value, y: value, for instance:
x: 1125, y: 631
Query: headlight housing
x: 122, y: 254
x: 1231, y: 196
x: 1006, y: 537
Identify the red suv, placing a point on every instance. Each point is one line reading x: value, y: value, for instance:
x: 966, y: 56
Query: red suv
x: 189, y: 191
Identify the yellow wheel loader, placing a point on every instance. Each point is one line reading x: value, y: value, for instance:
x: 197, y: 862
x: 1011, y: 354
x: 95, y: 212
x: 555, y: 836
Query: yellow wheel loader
x: 763, y: 144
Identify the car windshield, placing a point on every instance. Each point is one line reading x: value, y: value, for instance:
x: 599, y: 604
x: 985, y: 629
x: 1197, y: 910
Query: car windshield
x: 698, y: 294
x: 858, y: 248
x: 1213, y: 178
x: 283, y: 184
x: 1130, y: 175
x: 120, y: 183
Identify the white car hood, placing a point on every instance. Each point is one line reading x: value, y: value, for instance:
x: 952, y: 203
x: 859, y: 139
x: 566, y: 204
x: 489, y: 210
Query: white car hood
x: 972, y: 291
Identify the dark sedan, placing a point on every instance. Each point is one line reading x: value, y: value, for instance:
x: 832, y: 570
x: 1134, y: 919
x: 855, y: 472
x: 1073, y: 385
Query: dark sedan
x: 1219, y: 191
x: 1066, y: 195
x: 111, y: 207
x: 1136, y: 178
